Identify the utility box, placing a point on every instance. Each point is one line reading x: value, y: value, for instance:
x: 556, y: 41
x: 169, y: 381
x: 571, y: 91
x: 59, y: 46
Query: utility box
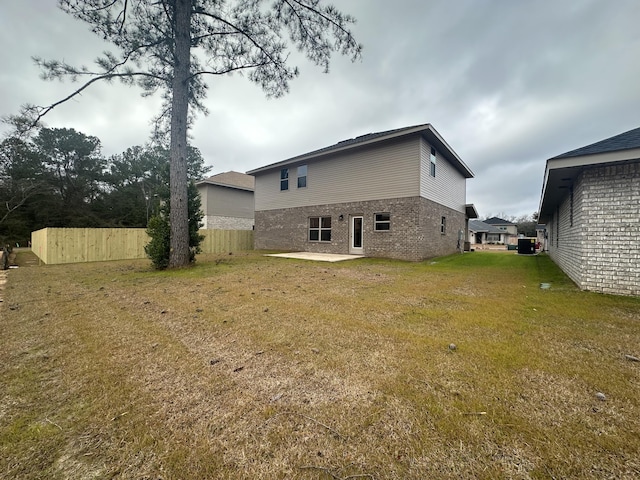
x: 526, y: 246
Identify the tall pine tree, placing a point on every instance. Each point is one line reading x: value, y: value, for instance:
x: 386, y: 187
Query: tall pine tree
x: 172, y: 45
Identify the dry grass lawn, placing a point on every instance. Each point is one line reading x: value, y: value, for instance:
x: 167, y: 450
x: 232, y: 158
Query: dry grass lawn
x: 250, y: 367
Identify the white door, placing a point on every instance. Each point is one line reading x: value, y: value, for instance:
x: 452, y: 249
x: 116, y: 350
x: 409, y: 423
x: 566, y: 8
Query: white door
x: 355, y: 236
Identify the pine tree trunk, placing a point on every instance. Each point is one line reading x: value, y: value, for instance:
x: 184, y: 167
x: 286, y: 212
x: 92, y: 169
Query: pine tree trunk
x: 178, y: 218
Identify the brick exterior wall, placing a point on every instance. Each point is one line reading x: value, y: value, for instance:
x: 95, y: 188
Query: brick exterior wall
x: 414, y: 234
x: 600, y: 251
x: 218, y: 222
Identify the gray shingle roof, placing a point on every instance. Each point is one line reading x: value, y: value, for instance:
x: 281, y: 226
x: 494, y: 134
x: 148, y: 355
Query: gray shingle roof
x: 480, y: 226
x: 497, y: 221
x: 623, y: 141
x: 426, y: 130
x: 358, y: 139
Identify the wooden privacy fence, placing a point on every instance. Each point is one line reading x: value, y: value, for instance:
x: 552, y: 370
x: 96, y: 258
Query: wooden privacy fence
x: 74, y: 245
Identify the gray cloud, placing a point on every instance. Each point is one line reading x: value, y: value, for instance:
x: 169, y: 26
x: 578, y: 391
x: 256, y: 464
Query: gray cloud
x: 507, y: 83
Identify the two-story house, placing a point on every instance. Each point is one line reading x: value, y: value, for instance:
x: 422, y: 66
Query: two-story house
x: 509, y: 231
x: 396, y: 194
x: 227, y: 201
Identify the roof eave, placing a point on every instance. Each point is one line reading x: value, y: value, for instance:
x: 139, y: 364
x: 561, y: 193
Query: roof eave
x: 337, y: 149
x: 422, y: 129
x: 470, y: 210
x: 561, y: 172
x: 217, y: 184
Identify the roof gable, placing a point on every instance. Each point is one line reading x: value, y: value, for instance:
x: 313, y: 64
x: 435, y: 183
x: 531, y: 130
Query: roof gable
x: 623, y: 141
x: 479, y: 226
x: 497, y: 221
x: 426, y: 130
x: 231, y: 179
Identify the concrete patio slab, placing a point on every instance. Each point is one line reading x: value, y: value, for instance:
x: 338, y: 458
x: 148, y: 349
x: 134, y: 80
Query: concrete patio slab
x: 318, y: 257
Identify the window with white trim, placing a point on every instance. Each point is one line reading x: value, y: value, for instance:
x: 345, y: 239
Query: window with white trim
x: 382, y: 222
x: 432, y: 163
x: 284, y: 179
x: 302, y: 176
x: 319, y: 229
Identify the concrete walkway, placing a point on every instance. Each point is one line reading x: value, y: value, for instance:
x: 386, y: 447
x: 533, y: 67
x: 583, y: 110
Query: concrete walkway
x: 318, y: 257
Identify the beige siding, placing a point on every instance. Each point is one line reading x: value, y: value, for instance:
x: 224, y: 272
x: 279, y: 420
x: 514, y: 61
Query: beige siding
x: 203, y: 191
x: 388, y: 170
x: 448, y: 187
x: 224, y: 201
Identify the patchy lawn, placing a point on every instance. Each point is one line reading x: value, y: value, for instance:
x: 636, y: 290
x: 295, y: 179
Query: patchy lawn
x: 248, y: 367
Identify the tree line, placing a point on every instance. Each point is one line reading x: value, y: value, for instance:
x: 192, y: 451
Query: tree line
x: 171, y: 46
x: 59, y: 177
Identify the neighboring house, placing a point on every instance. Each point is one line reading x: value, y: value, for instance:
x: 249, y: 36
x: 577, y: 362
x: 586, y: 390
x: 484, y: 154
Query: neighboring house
x: 509, y: 229
x: 591, y: 206
x: 481, y: 233
x: 396, y: 194
x: 227, y: 201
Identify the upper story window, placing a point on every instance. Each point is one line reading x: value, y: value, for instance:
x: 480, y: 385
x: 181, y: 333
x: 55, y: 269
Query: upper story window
x: 443, y: 225
x: 284, y: 179
x: 302, y: 176
x: 432, y: 163
x: 382, y: 222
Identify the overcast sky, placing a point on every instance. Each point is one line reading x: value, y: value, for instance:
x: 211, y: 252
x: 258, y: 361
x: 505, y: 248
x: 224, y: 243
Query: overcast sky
x: 507, y: 83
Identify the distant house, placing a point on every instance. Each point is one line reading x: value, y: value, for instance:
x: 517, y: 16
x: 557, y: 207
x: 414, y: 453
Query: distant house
x: 396, y: 194
x: 227, y: 201
x: 481, y: 233
x: 509, y: 229
x: 591, y: 207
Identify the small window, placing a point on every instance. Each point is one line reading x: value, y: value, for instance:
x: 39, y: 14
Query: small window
x: 382, y: 222
x: 302, y: 176
x: 320, y: 229
x: 443, y: 225
x: 558, y: 226
x: 571, y: 207
x: 284, y: 179
x: 433, y: 162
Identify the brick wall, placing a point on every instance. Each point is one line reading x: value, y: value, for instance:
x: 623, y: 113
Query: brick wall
x: 218, y: 222
x: 433, y: 242
x: 566, y: 244
x: 601, y: 251
x: 414, y: 234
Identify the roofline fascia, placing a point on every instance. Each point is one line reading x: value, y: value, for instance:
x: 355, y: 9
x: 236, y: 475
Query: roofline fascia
x: 590, y: 160
x: 338, y: 149
x: 473, y: 208
x: 237, y: 187
x: 595, y: 158
x: 452, y: 151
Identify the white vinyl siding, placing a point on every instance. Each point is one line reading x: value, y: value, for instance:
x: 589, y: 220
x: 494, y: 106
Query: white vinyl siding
x: 448, y: 187
x: 386, y: 170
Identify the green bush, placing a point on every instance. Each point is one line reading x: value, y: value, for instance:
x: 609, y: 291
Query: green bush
x: 159, y: 247
x: 158, y: 228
